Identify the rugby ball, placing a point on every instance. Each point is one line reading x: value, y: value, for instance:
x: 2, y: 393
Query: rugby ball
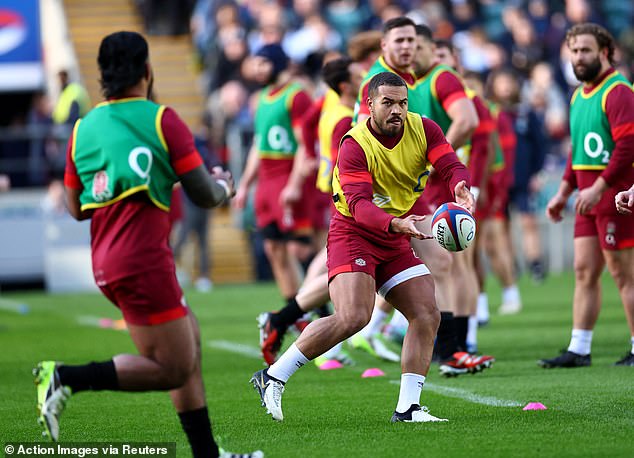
x: 453, y: 227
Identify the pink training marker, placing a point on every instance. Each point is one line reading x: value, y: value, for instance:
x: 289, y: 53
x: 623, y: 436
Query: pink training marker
x: 535, y: 406
x: 105, y: 323
x: 373, y: 372
x: 330, y: 364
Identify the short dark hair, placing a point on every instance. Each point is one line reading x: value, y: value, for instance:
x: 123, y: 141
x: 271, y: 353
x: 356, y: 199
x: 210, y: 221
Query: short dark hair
x: 423, y: 31
x: 122, y: 58
x: 445, y: 44
x: 603, y: 37
x: 397, y: 22
x: 336, y: 72
x: 384, y: 79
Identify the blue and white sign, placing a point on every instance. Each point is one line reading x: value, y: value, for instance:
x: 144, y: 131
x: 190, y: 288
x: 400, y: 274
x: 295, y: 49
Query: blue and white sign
x: 21, y: 66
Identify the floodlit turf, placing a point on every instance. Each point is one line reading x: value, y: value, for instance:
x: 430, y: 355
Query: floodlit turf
x: 337, y: 413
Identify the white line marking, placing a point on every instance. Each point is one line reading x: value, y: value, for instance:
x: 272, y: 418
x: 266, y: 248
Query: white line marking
x: 13, y: 306
x: 233, y: 347
x: 88, y: 320
x: 467, y: 395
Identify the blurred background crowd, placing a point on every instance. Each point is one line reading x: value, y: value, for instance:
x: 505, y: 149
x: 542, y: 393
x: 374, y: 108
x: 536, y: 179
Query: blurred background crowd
x: 525, y: 36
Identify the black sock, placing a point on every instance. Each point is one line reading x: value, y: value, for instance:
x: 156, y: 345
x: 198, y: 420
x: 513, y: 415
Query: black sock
x: 461, y: 324
x: 92, y: 376
x: 288, y: 315
x: 197, y: 427
x: 446, y: 342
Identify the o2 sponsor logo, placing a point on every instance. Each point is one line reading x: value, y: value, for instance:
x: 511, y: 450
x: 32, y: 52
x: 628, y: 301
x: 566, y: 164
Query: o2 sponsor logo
x: 593, y: 147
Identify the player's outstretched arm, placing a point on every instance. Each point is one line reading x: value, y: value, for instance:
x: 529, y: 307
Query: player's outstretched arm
x: 208, y: 190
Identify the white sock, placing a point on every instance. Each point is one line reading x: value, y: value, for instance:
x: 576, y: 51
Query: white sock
x: 483, y: 307
x: 580, y: 341
x: 472, y: 332
x: 374, y: 326
x: 291, y: 360
x: 632, y: 345
x: 398, y: 320
x: 411, y: 386
x: 511, y: 294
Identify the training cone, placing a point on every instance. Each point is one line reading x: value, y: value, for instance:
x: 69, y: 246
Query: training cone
x: 330, y: 365
x: 534, y: 406
x: 119, y: 325
x: 373, y: 372
x: 105, y: 323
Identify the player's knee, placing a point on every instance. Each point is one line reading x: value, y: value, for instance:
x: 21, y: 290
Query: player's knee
x: 353, y: 323
x: 178, y: 373
x: 429, y: 315
x: 433, y: 316
x: 622, y: 277
x: 585, y: 272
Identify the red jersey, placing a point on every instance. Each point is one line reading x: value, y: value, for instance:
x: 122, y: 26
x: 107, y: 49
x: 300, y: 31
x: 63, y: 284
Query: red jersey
x: 480, y: 142
x: 508, y: 143
x: 131, y: 236
x: 310, y: 122
x: 339, y: 131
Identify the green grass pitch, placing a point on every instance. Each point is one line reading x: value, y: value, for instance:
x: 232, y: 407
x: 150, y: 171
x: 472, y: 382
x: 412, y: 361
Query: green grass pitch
x: 337, y: 413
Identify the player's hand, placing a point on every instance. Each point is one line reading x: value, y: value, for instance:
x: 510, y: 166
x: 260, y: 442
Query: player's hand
x: 587, y: 199
x: 240, y: 200
x: 625, y: 201
x: 555, y: 206
x: 310, y: 166
x: 464, y: 198
x: 407, y: 226
x: 289, y: 196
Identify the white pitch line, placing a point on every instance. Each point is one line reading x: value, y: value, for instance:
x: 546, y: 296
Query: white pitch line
x: 13, y: 306
x: 88, y: 320
x: 233, y: 347
x: 254, y: 352
x: 467, y: 395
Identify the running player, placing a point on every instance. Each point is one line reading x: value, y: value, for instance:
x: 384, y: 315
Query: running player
x: 122, y: 160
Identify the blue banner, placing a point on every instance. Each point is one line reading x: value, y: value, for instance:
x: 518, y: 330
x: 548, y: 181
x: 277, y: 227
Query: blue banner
x: 20, y: 45
x: 20, y: 31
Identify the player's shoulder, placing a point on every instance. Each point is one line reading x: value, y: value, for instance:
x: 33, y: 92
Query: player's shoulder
x: 446, y: 72
x: 428, y: 123
x: 619, y: 93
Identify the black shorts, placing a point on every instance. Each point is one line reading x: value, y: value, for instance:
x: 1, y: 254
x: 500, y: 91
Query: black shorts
x: 272, y: 232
